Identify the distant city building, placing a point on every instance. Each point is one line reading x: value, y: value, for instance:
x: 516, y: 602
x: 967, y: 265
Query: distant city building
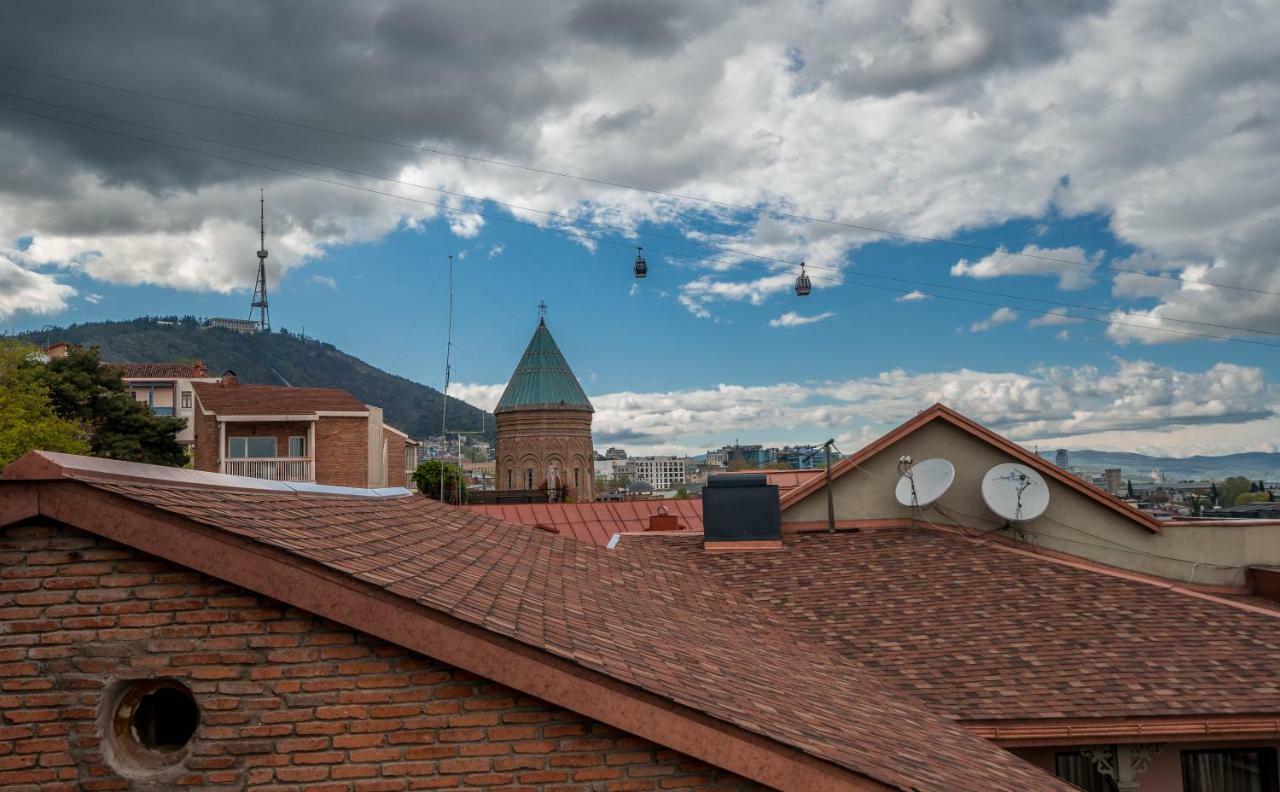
x: 663, y: 472
x: 615, y: 453
x: 716, y: 458
x: 1114, y: 480
x: 1062, y: 459
x: 238, y: 325
x: 752, y: 456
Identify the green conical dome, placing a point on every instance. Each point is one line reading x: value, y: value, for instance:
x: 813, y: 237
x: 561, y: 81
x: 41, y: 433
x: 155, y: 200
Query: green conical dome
x: 543, y: 379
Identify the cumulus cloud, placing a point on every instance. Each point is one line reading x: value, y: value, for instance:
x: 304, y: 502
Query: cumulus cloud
x: 29, y: 291
x: 947, y: 117
x: 1216, y: 410
x: 1034, y: 260
x: 793, y: 319
x: 912, y: 296
x: 1054, y: 319
x: 483, y: 396
x: 325, y: 280
x: 999, y: 316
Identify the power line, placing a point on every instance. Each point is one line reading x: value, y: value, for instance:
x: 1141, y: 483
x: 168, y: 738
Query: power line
x: 574, y: 234
x: 625, y: 230
x: 756, y: 210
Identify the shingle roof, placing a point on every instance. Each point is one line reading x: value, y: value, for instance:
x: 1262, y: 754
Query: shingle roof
x: 160, y: 370
x: 985, y: 632
x: 659, y: 625
x: 241, y: 399
x: 543, y: 379
x: 595, y: 523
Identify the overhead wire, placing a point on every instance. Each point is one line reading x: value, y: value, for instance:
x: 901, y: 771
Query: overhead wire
x: 623, y: 229
x: 575, y: 233
x: 756, y: 210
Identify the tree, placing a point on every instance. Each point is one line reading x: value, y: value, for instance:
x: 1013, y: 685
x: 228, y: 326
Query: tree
x: 1129, y: 488
x: 777, y: 466
x: 1232, y: 488
x: 27, y: 419
x: 681, y: 494
x: 738, y: 463
x: 427, y: 479
x: 93, y: 396
x: 1213, y: 493
x: 1250, y: 497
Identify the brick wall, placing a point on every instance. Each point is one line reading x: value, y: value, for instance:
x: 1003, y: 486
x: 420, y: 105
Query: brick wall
x: 394, y: 459
x: 205, y: 456
x: 342, y: 451
x: 288, y: 701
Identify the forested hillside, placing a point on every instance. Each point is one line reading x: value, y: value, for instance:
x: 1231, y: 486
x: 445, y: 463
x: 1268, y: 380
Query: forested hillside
x: 275, y: 358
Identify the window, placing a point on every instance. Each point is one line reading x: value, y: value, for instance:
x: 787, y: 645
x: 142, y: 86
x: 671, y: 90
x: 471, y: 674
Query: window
x: 528, y: 478
x: 1080, y: 770
x: 575, y: 478
x: 251, y: 447
x: 1229, y: 770
x: 509, y: 484
x: 186, y: 400
x: 297, y: 446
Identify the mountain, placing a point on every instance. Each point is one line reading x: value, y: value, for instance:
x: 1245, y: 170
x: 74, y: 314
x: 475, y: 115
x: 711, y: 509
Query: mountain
x: 1139, y: 467
x: 275, y: 358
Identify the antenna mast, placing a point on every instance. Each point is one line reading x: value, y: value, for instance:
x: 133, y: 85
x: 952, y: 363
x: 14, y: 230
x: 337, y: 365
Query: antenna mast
x: 448, y: 358
x: 260, y: 288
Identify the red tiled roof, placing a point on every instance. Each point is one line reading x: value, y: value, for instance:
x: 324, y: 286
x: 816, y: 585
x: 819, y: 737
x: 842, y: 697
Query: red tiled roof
x: 659, y: 625
x: 160, y: 370
x: 242, y: 399
x: 984, y: 632
x: 965, y: 424
x: 595, y: 523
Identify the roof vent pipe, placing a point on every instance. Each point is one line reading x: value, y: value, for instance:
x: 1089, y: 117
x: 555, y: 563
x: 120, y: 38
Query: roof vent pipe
x: 740, y: 512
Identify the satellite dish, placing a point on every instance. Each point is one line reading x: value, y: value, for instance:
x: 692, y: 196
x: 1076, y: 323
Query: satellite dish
x: 925, y: 482
x: 1015, y: 492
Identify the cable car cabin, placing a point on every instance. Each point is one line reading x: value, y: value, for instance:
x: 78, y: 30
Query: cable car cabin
x: 642, y: 266
x: 803, y: 287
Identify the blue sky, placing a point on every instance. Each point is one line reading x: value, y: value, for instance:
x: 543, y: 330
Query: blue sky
x: 1062, y: 134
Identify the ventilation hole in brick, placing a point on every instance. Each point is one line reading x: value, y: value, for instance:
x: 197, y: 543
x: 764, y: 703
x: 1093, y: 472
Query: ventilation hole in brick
x: 165, y: 719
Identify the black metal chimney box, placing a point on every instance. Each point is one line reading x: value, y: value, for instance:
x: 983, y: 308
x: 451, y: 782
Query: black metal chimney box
x: 740, y: 507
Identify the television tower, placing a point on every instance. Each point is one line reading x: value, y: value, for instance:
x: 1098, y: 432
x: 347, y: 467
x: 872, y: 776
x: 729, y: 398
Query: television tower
x: 260, y: 289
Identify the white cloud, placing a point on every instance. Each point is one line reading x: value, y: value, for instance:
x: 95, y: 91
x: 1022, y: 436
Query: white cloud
x: 496, y: 250
x: 999, y: 316
x: 324, y: 280
x: 92, y: 299
x: 913, y: 296
x: 1034, y: 260
x: 28, y: 291
x: 483, y: 396
x: 1063, y: 335
x: 1154, y: 407
x: 793, y: 319
x: 1054, y: 319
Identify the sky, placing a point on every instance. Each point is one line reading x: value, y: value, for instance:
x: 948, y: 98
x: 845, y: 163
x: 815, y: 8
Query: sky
x: 1034, y: 213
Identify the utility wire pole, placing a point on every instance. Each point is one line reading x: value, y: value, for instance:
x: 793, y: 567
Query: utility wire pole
x: 448, y: 359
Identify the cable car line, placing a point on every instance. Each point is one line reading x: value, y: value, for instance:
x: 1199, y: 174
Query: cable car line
x: 576, y: 234
x: 756, y: 210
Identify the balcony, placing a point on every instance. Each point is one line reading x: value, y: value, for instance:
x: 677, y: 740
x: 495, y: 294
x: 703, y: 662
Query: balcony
x: 272, y: 468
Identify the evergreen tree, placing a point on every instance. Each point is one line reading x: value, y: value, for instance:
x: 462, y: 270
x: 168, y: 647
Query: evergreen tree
x: 93, y: 396
x: 427, y: 479
x: 1129, y: 487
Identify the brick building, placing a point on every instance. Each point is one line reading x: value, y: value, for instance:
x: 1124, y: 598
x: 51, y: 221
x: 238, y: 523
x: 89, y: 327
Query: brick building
x: 543, y: 423
x: 314, y: 435
x: 163, y: 628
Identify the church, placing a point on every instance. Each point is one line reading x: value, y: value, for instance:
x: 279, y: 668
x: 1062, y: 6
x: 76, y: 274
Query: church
x: 544, y: 426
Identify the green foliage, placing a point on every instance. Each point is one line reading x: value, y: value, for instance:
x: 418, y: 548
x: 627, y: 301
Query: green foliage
x: 1231, y: 489
x: 1129, y: 488
x: 27, y: 419
x: 777, y: 466
x: 274, y: 359
x: 427, y: 479
x: 93, y: 396
x: 1251, y: 497
x: 681, y: 494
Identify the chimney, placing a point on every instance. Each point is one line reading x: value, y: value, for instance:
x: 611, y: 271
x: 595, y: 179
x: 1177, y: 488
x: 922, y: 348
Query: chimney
x: 229, y: 378
x: 663, y: 521
x: 740, y: 512
x: 198, y: 370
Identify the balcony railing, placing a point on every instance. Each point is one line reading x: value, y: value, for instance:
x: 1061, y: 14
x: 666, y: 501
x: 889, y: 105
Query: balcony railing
x: 273, y: 468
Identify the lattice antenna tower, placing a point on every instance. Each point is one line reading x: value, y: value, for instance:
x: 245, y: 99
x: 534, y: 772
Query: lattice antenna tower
x: 259, y: 303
